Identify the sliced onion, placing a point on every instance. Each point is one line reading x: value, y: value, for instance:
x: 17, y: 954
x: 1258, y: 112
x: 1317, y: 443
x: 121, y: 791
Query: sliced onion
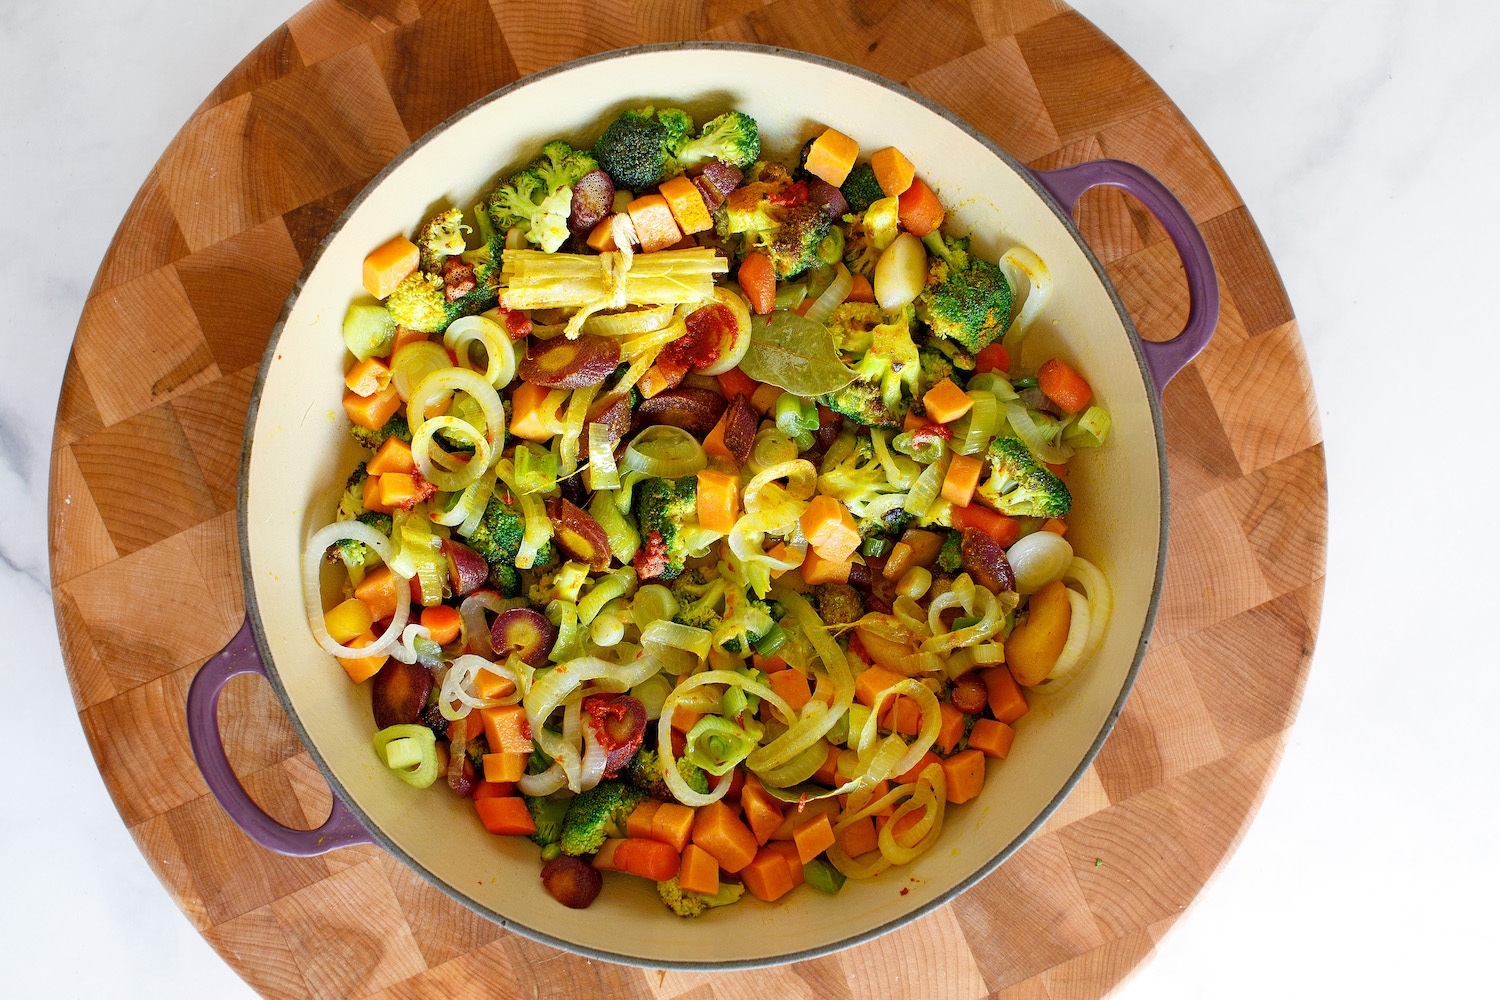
x: 545, y: 783
x: 1027, y: 430
x: 500, y: 351
x: 414, y: 362
x: 595, y: 758
x: 984, y: 419
x: 312, y: 591
x: 444, y: 381
x: 424, y: 448
x: 1015, y: 263
x: 665, y: 451
x: 670, y: 633
x: 770, y: 447
x: 567, y: 442
x: 900, y: 470
x: 801, y: 483
x: 925, y: 490
x: 836, y: 293
x: 629, y: 321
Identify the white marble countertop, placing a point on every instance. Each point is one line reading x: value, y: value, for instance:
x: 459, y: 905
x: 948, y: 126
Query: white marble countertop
x: 1359, y: 133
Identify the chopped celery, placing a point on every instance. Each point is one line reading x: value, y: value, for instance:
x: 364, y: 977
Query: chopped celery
x: 876, y: 545
x: 717, y: 745
x: 536, y: 469
x: 1089, y: 430
x: 823, y: 877
x: 774, y: 639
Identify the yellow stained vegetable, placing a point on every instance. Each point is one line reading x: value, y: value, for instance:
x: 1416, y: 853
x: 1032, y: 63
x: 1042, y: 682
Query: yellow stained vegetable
x: 900, y: 273
x: 1033, y: 648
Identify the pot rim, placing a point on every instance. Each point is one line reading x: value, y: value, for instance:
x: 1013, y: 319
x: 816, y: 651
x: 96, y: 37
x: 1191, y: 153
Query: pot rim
x: 252, y: 609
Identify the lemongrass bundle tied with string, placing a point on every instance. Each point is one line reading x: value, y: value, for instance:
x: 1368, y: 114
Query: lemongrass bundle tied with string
x: 610, y: 280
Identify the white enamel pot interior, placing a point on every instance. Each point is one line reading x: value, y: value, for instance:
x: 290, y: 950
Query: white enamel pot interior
x: 299, y: 452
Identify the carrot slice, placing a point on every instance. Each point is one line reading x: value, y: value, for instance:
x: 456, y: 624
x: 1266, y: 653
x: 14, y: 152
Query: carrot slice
x: 862, y: 291
x: 1004, y: 530
x: 1064, y: 386
x: 918, y: 209
x: 443, y: 622
x: 758, y: 281
x: 994, y: 358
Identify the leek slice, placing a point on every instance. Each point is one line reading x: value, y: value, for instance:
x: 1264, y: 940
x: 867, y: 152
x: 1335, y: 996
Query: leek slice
x: 419, y: 742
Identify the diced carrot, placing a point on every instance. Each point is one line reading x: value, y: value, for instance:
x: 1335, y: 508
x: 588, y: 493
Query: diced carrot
x: 718, y: 499
x: 378, y: 591
x: 832, y: 156
x: 393, y: 455
x: 371, y: 496
x: 362, y: 668
x: 994, y: 358
x: 372, y: 411
x: 925, y: 545
x: 859, y: 837
x: 791, y: 685
x: 735, y: 382
x: 893, y: 172
x: 646, y: 858
x: 827, y: 772
x: 814, y: 837
x: 505, y: 815
x: 918, y: 209
x: 1006, y: 699
x: 950, y: 727
x: 672, y: 824
x: 638, y: 823
x: 862, y: 291
x: 534, y: 412
x: 699, y: 872
x: 388, y: 265
x: 1004, y: 530
x: 1064, y: 386
x: 470, y: 725
x: 816, y: 569
x: 961, y: 479
x: 714, y: 444
x: 767, y: 875
x: 660, y: 377
x: 903, y: 715
x: 829, y: 528
x: 758, y: 281
x: 491, y: 685
x: 506, y: 728
x: 874, y: 680
x: 1058, y: 469
x: 965, y: 773
x: 654, y: 225
x: 1056, y: 525
x: 762, y: 814
x: 405, y: 335
x: 946, y: 402
x: 788, y: 850
x: 367, y: 377
x: 404, y: 489
x: 443, y: 622
x: 348, y: 619
x: 602, y: 237
x: 991, y: 738
x: 684, y: 718
x: 505, y: 766
x: 493, y: 789
x: 916, y: 770
x: 719, y: 831
x: 686, y: 203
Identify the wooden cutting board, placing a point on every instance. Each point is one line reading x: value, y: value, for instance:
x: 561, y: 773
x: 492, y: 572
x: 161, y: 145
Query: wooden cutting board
x: 146, y: 459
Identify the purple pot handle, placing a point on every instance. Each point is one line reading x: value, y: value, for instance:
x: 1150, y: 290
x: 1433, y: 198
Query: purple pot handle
x: 1163, y: 358
x: 241, y: 656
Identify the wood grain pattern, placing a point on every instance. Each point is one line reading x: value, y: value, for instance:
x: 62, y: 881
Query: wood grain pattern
x: 145, y: 568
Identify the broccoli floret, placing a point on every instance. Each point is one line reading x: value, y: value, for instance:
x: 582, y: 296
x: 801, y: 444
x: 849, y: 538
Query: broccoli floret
x: 950, y: 556
x: 394, y: 427
x: 731, y: 138
x: 838, y: 603
x: 967, y: 299
x: 440, y: 237
x: 497, y: 537
x: 645, y: 773
x: 860, y: 255
x: 421, y: 301
x: 539, y: 198
x: 597, y: 814
x: 698, y: 599
x: 663, y: 508
x: 861, y: 189
x: 505, y: 579
x: 548, y: 815
x: 935, y: 366
x: 692, y: 904
x: 637, y: 149
x: 352, y: 508
x: 875, y: 397
x: 1020, y: 485
x: 856, y: 476
x: 888, y: 525
x: 793, y: 246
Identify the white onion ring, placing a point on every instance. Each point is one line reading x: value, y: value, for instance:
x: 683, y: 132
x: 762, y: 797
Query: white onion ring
x: 312, y: 592
x: 594, y: 759
x: 544, y: 783
x: 500, y: 353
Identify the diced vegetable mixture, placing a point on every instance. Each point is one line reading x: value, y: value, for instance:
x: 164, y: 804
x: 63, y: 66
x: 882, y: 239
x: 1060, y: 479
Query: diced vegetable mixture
x: 711, y: 529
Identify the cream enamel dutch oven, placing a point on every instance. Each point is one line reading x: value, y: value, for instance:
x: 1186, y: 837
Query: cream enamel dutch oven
x: 298, y: 450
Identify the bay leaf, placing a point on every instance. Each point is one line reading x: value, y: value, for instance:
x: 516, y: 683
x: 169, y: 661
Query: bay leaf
x: 795, y: 354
